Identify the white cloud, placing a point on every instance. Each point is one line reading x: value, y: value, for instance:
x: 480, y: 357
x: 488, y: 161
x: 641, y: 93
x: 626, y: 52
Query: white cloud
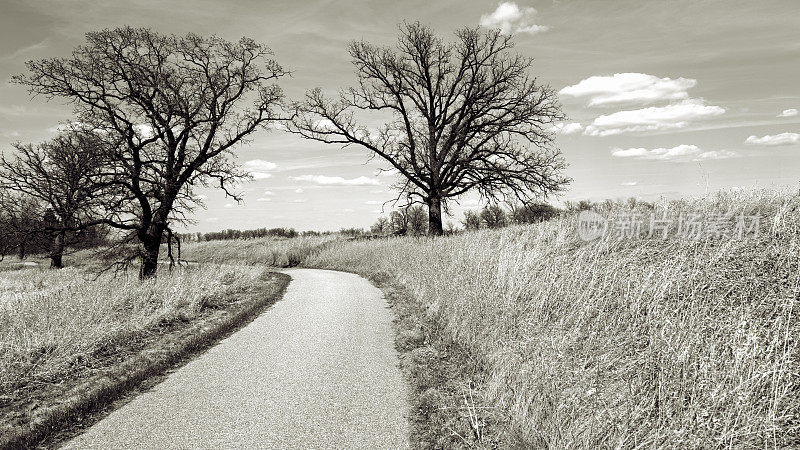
x: 229, y: 205
x: 630, y: 183
x: 212, y: 219
x: 716, y: 154
x: 510, y: 18
x: 324, y: 125
x: 388, y: 172
x: 682, y: 152
x: 470, y: 202
x: 788, y: 113
x: 326, y: 180
x: 269, y: 193
x: 258, y: 168
x: 653, y: 118
x: 263, y: 199
x: 145, y: 130
x: 374, y: 202
x: 773, y: 140
x: 567, y: 128
x: 348, y: 210
x: 299, y: 190
x: 629, y: 88
x: 62, y: 127
x: 299, y: 200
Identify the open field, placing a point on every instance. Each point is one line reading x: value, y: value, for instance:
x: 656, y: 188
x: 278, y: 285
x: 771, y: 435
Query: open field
x: 524, y: 336
x: 271, y: 251
x: 615, y: 343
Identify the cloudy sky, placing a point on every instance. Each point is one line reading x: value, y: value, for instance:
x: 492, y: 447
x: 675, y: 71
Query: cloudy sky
x: 664, y: 98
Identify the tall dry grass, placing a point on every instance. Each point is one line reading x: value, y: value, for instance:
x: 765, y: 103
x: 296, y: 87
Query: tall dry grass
x: 631, y: 343
x: 270, y: 251
x: 53, y: 323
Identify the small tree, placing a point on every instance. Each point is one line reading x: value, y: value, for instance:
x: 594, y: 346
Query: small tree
x: 381, y: 226
x: 532, y: 213
x: 398, y: 222
x: 493, y: 216
x: 467, y: 116
x: 21, y: 223
x: 417, y: 220
x: 450, y: 228
x: 472, y: 220
x: 64, y: 177
x: 173, y: 108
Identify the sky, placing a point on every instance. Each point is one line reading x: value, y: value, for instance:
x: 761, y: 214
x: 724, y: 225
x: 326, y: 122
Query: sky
x: 664, y: 98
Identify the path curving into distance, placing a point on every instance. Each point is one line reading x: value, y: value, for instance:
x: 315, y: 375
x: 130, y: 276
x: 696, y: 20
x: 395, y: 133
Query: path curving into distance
x: 317, y: 370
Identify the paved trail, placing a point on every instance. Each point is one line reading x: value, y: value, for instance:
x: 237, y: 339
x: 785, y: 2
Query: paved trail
x: 317, y: 370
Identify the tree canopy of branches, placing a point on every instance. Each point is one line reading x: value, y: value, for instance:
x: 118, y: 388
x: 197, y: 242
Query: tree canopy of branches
x: 172, y: 108
x: 533, y: 212
x: 21, y: 225
x: 466, y: 116
x: 472, y: 220
x: 58, y: 181
x: 381, y: 226
x: 408, y: 220
x: 493, y: 216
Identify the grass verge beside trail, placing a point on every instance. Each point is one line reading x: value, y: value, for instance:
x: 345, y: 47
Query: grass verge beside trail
x: 71, y: 346
x: 684, y: 342
x: 448, y: 409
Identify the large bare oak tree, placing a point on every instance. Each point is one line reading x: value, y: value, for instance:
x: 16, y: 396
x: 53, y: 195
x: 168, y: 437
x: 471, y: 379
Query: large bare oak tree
x: 173, y: 108
x: 465, y: 116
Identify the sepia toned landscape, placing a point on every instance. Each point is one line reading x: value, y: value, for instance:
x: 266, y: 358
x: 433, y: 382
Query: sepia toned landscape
x: 489, y: 225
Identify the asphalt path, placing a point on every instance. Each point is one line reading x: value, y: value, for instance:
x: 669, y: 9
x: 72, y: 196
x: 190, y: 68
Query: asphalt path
x: 317, y: 370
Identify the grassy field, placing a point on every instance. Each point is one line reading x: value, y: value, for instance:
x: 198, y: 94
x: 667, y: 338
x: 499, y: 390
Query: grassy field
x: 271, y: 251
x: 631, y: 343
x: 525, y: 337
x: 69, y: 339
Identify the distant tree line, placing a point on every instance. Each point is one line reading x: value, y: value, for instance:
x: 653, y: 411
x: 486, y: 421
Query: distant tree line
x: 412, y: 220
x: 240, y: 234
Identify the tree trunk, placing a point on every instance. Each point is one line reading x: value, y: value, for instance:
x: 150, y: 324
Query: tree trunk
x: 435, y: 216
x: 151, y: 244
x: 57, y: 250
x: 21, y: 249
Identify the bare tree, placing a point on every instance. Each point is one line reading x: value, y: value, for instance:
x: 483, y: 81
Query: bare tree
x: 398, y: 222
x: 21, y: 224
x: 173, y: 108
x: 532, y: 212
x: 381, y: 226
x: 63, y: 177
x: 493, y: 216
x: 472, y: 220
x: 417, y: 220
x: 450, y: 228
x: 466, y: 116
